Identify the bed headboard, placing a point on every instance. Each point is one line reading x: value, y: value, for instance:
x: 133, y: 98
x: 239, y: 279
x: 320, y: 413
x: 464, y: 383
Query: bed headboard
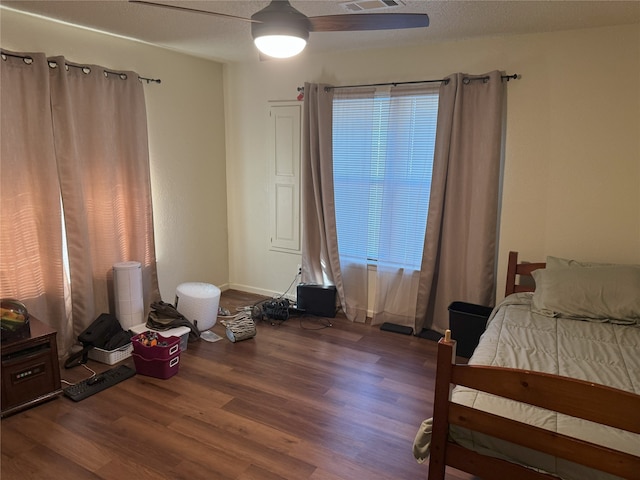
x: 523, y: 270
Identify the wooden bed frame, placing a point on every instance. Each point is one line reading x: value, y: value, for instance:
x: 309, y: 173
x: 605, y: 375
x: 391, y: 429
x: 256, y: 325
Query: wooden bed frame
x: 573, y: 397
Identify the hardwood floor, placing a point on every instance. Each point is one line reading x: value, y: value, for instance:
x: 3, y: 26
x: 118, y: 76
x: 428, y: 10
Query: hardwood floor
x: 301, y: 400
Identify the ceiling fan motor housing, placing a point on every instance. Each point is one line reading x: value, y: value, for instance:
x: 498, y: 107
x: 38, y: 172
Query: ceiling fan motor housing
x: 280, y: 18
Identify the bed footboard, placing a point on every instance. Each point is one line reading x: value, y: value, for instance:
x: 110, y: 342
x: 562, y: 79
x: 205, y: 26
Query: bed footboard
x: 570, y: 396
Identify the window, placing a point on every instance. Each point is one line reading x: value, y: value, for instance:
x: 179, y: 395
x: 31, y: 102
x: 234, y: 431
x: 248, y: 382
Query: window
x: 383, y: 145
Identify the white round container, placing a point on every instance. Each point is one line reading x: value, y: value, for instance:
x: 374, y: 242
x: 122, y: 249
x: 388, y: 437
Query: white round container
x: 198, y: 302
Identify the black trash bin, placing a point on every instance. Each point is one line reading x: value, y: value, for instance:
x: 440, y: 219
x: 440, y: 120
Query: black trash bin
x: 467, y: 322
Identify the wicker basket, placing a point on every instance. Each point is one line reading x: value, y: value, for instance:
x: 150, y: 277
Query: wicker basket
x: 111, y: 357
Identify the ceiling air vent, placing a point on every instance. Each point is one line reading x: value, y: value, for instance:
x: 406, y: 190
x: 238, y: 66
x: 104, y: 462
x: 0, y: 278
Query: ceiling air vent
x: 368, y: 5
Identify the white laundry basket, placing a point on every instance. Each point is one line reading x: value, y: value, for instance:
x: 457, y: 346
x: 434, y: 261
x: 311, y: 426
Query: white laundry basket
x: 198, y: 302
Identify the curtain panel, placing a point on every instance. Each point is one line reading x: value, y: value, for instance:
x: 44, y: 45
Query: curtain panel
x: 100, y: 132
x: 31, y: 264
x: 459, y: 256
x: 96, y: 159
x: 321, y: 262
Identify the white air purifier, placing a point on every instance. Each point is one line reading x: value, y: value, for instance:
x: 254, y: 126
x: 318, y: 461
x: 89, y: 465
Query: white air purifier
x: 198, y: 302
x: 127, y: 285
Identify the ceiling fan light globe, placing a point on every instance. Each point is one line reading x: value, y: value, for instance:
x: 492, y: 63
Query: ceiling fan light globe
x: 280, y: 46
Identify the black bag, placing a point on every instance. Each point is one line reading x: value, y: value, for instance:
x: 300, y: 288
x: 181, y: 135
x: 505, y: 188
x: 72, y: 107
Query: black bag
x: 105, y: 332
x: 164, y: 316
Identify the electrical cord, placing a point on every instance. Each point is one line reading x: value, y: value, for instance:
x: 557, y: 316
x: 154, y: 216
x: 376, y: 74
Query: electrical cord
x: 294, y: 281
x: 326, y: 324
x: 273, y: 309
x: 93, y: 374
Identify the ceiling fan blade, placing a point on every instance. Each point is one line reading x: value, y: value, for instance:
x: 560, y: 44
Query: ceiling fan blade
x: 368, y: 21
x: 192, y: 10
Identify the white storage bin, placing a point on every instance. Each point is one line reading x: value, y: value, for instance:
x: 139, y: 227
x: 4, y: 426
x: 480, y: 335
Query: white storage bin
x: 111, y: 357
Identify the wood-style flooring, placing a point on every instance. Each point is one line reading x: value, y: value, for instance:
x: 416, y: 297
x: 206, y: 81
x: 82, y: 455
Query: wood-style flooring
x: 302, y: 400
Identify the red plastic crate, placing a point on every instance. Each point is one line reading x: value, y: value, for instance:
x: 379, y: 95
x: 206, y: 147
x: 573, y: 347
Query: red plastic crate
x: 152, y: 367
x: 156, y: 352
x: 160, y: 361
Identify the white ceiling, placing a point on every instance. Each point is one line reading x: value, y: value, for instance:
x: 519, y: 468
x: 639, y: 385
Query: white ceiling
x: 229, y: 40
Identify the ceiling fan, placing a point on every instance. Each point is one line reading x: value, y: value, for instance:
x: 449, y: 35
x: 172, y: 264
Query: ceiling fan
x: 281, y: 31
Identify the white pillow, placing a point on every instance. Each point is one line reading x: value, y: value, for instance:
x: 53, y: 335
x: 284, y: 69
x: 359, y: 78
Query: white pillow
x: 595, y: 293
x: 557, y: 262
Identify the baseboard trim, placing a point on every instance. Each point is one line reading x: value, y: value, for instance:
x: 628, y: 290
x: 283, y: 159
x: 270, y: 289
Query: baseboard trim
x: 260, y: 291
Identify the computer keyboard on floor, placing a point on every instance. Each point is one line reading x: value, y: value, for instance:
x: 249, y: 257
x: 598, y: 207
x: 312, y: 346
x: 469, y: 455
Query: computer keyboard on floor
x: 99, y: 382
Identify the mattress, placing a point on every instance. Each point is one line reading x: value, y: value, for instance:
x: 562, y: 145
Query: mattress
x: 598, y: 352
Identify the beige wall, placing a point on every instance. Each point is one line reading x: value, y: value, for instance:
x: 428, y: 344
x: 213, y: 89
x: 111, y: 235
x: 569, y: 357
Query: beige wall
x: 572, y: 153
x: 186, y: 141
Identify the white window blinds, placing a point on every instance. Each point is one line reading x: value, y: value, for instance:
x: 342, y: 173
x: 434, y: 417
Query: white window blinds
x: 383, y: 144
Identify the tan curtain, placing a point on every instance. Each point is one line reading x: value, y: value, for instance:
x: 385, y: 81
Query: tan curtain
x: 316, y: 144
x: 459, y: 255
x: 101, y: 143
x: 91, y: 125
x: 31, y: 267
x: 321, y: 262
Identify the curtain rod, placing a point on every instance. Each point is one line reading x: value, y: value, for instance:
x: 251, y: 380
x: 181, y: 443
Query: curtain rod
x: 515, y: 76
x: 445, y: 80
x: 86, y: 69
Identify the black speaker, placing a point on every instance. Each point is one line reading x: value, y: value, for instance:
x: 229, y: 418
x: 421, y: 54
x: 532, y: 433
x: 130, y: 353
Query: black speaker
x: 317, y: 299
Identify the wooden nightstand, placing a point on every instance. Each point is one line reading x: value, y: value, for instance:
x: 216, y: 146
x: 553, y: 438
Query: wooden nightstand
x: 30, y: 369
